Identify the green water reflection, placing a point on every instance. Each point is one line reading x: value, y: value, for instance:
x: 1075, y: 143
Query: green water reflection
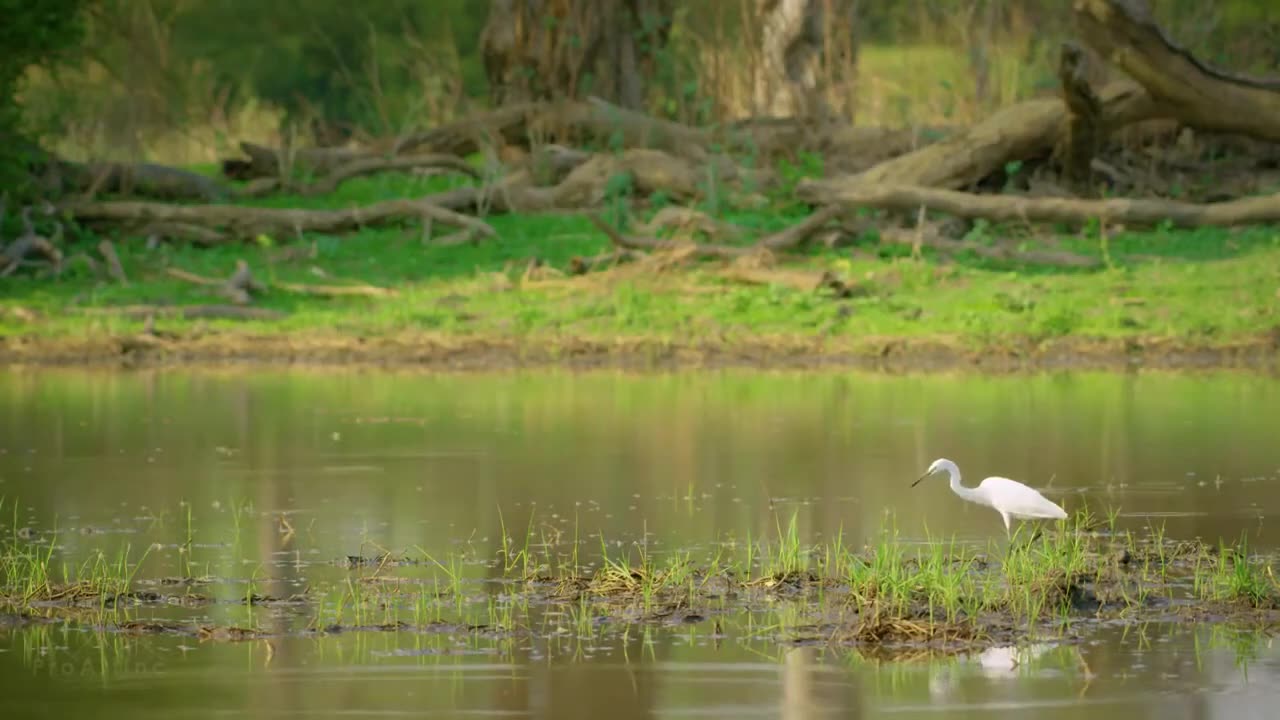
x: 274, y: 475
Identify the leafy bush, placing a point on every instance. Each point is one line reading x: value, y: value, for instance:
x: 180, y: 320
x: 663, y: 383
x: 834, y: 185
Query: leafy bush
x: 33, y: 32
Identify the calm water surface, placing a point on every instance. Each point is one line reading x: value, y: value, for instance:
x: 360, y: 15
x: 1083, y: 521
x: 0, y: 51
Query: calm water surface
x: 269, y: 478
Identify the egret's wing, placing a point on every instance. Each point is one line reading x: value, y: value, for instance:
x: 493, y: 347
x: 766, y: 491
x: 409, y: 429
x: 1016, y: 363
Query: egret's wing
x: 1019, y: 500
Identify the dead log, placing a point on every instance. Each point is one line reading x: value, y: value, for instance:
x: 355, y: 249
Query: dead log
x: 266, y: 162
x: 593, y: 122
x: 1008, y: 208
x: 799, y: 233
x: 29, y: 244
x: 1126, y: 34
x: 239, y: 222
x: 147, y: 180
x: 1025, y: 130
x: 196, y: 234
x: 371, y: 165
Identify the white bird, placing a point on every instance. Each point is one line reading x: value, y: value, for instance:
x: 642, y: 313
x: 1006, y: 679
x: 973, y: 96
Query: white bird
x: 1008, y: 497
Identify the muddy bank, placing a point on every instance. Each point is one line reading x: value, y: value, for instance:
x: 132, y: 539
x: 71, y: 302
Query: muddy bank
x: 483, y: 353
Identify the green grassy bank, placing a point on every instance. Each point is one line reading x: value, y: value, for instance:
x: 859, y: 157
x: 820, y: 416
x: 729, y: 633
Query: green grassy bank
x: 1211, y: 294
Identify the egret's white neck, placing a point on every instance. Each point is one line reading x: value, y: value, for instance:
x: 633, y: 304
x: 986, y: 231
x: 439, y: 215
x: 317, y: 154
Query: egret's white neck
x: 953, y: 471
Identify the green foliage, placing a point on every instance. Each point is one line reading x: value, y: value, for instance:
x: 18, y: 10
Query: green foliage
x: 32, y: 32
x: 357, y: 65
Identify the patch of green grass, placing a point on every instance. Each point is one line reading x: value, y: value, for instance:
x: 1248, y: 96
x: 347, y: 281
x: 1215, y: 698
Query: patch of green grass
x: 1203, y: 286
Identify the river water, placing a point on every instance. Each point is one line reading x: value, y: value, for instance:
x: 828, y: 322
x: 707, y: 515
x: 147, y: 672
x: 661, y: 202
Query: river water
x: 267, y: 480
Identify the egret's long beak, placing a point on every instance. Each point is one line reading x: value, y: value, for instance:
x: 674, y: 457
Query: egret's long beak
x: 917, y: 482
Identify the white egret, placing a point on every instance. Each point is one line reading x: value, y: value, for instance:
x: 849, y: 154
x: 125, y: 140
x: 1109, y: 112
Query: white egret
x: 1008, y: 497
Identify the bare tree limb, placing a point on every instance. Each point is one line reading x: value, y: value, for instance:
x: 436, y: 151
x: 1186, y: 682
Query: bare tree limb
x: 800, y: 233
x: 1126, y: 33
x: 1005, y: 208
x: 242, y: 222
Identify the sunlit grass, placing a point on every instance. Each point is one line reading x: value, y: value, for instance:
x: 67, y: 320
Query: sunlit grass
x: 1205, y: 286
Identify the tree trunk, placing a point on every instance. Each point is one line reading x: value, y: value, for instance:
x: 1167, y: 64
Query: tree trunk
x: 787, y: 83
x: 557, y: 49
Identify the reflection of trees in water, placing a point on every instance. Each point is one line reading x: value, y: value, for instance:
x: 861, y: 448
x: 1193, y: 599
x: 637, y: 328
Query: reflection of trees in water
x: 570, y: 688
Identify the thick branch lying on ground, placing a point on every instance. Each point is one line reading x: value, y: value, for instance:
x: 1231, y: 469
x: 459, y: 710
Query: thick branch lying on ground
x: 146, y: 180
x: 800, y: 233
x: 578, y: 122
x: 1007, y: 208
x: 639, y: 172
x: 1018, y: 132
x: 265, y: 162
x: 364, y: 166
x: 1126, y: 34
x: 234, y: 222
x: 29, y: 243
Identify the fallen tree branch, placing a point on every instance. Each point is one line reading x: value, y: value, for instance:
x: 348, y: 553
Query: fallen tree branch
x: 700, y: 250
x: 1004, y: 208
x: 1126, y: 34
x: 239, y: 288
x: 266, y: 162
x: 584, y: 122
x: 148, y: 180
x: 800, y: 233
x: 237, y: 222
x: 1018, y: 132
x: 30, y: 243
x: 371, y: 165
